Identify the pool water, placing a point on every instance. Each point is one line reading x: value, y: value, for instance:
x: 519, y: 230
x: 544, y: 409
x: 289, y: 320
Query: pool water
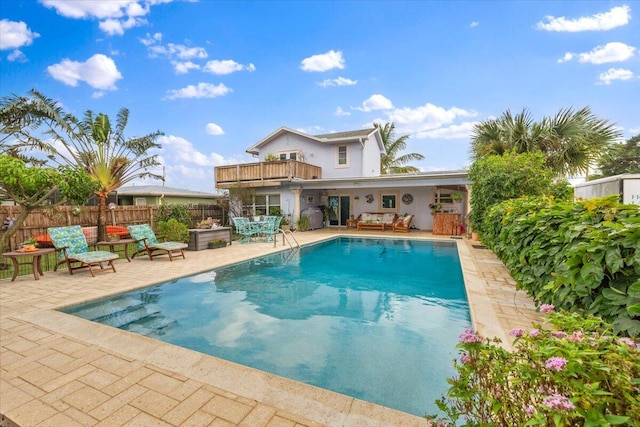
x: 376, y: 319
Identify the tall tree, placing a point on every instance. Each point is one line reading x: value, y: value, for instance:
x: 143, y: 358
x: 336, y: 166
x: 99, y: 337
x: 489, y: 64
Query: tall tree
x: 392, y: 161
x: 110, y: 159
x: 571, y: 141
x: 621, y: 158
x: 32, y: 187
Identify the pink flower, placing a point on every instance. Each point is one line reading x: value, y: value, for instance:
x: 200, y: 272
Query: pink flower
x: 631, y: 343
x: 517, y: 332
x: 470, y: 337
x: 465, y: 358
x: 576, y: 336
x: 559, y: 334
x: 547, y: 308
x: 558, y: 402
x: 556, y: 363
x: 534, y: 332
x: 529, y: 410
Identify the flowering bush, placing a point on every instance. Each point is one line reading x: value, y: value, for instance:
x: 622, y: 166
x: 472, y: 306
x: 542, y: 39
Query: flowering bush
x: 435, y: 207
x: 575, y: 373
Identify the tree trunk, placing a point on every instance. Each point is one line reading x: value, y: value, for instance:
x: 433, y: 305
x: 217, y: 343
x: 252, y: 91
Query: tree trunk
x: 5, y: 242
x: 102, y: 218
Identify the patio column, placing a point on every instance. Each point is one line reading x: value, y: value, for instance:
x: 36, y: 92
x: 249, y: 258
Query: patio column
x: 296, y: 203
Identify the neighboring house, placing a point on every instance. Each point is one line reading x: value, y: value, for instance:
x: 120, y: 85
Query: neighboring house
x: 157, y: 195
x: 342, y: 171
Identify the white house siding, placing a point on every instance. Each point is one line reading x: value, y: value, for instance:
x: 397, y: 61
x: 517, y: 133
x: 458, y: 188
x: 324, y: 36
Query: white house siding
x: 371, y: 158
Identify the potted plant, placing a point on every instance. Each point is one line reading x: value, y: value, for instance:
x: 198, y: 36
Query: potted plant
x: 304, y: 223
x: 456, y: 197
x: 219, y: 243
x: 284, y: 224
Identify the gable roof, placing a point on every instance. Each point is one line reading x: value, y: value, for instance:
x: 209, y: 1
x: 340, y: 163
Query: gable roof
x: 159, y: 190
x: 327, y: 138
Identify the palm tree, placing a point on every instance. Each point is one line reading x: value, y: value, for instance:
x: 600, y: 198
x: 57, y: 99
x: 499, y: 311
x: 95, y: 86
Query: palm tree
x: 571, y: 141
x: 110, y: 159
x: 389, y: 163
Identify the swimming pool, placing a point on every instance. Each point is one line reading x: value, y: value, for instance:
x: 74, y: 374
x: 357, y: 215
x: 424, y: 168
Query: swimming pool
x: 376, y: 319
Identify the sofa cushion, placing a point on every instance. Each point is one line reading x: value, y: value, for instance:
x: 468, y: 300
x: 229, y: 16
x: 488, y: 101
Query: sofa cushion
x: 388, y: 218
x: 365, y: 217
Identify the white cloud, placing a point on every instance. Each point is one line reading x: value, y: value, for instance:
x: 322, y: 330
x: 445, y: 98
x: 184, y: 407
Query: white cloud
x: 118, y: 26
x: 214, y: 129
x: 184, y: 67
x: 611, y: 52
x: 202, y: 90
x: 115, y: 16
x: 150, y: 39
x: 341, y: 112
x: 615, y: 74
x: 567, y: 57
x: 340, y: 81
x: 97, y: 95
x: 99, y: 72
x: 226, y: 66
x: 474, y: 24
x: 616, y: 17
x: 172, y: 50
x: 461, y: 131
x: 17, y: 55
x: 15, y: 34
x: 375, y: 102
x: 323, y: 62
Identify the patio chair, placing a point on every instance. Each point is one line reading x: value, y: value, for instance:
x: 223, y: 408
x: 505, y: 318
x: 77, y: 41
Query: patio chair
x: 148, y: 242
x: 269, y: 227
x: 402, y: 224
x: 71, y: 245
x: 245, y: 228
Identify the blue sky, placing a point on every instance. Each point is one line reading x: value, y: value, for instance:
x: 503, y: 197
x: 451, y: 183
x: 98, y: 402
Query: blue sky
x: 218, y: 76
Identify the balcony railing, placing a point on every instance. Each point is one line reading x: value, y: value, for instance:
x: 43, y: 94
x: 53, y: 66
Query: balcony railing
x: 265, y: 173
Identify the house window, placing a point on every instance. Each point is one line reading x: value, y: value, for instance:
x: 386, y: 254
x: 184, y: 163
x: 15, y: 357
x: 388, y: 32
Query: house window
x: 140, y: 201
x: 443, y: 197
x: 388, y: 201
x: 264, y: 204
x: 342, y: 159
x: 293, y: 155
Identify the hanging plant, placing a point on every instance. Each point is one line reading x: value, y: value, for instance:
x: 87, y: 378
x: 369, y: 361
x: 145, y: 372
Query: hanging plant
x: 75, y: 211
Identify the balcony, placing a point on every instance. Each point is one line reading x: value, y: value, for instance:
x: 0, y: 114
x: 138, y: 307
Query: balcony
x: 264, y: 174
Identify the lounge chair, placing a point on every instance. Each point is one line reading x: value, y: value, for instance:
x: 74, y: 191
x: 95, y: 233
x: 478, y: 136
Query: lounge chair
x: 148, y: 242
x: 72, y: 246
x: 402, y: 224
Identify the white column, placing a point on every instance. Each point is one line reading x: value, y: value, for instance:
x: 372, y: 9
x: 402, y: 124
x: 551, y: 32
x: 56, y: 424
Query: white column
x: 296, y: 204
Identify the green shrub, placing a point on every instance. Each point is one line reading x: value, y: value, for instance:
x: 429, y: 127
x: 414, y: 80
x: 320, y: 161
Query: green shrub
x: 499, y: 178
x: 575, y: 374
x: 179, y: 212
x: 582, y: 257
x: 173, y: 231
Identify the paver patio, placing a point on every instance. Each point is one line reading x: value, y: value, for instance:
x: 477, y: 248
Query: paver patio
x: 59, y: 370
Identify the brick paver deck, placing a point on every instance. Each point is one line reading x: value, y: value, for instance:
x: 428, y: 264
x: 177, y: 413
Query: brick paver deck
x: 59, y: 370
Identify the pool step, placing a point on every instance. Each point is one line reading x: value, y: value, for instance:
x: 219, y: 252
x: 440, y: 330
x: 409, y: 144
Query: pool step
x: 128, y: 316
x: 99, y: 310
x: 151, y: 326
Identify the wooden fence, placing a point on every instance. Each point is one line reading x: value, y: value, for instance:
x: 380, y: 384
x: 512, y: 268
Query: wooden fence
x: 39, y: 220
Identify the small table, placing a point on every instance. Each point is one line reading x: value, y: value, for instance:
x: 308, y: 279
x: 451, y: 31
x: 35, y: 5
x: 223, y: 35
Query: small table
x: 36, y: 262
x: 112, y: 246
x: 352, y: 223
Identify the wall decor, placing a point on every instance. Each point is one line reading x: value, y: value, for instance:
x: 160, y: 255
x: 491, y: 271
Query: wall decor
x: 369, y: 198
x: 407, y: 199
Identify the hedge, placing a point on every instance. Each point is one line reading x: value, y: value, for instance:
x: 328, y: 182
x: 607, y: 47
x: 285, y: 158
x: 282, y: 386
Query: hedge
x: 582, y: 256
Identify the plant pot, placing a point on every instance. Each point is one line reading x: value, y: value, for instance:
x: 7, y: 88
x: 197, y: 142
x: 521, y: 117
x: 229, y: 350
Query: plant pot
x: 285, y: 227
x: 475, y: 236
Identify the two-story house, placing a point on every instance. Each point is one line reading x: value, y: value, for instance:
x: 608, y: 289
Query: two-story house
x: 298, y: 172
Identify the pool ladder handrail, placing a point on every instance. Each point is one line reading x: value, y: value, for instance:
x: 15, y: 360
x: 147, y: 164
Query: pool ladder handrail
x: 285, y: 238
